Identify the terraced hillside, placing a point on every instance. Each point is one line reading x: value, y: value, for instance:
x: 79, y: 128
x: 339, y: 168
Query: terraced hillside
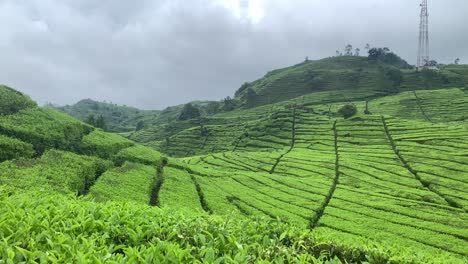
x: 385, y: 187
x: 363, y: 178
x: 397, y: 175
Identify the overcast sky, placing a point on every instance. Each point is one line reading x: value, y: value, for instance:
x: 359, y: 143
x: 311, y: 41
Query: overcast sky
x: 153, y: 54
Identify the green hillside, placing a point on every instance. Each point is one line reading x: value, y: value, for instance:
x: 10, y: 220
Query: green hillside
x: 289, y: 182
x: 124, y: 118
x: 371, y: 78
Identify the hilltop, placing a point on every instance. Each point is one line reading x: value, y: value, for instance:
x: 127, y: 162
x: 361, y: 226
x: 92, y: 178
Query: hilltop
x: 344, y: 78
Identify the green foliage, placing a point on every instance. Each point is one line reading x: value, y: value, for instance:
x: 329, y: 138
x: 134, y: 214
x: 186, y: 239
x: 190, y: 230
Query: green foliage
x: 384, y: 55
x: 104, y: 145
x: 116, y: 118
x: 347, y: 111
x: 229, y: 104
x: 213, y: 108
x: 391, y: 79
x: 12, y: 148
x: 98, y: 122
x: 101, y: 123
x: 81, y: 231
x: 55, y: 170
x: 244, y: 87
x: 45, y: 128
x: 12, y: 101
x: 129, y: 183
x: 250, y: 98
x: 138, y: 154
x: 189, y: 112
x: 140, y: 125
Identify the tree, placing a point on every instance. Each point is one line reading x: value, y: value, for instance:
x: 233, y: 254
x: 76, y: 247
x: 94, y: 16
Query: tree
x: 457, y: 61
x: 242, y: 88
x: 229, y: 104
x: 140, y: 125
x: 101, y: 122
x: 90, y: 120
x: 367, y: 47
x: 390, y: 79
x: 338, y: 53
x: 386, y: 56
x: 212, y: 108
x: 367, y: 112
x: 432, y: 63
x: 189, y: 112
x: 250, y: 97
x: 357, y: 51
x: 375, y: 53
x: 306, y: 59
x: 349, y: 50
x: 347, y: 111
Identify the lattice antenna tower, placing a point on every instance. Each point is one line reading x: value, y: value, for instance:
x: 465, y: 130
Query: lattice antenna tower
x: 423, y: 49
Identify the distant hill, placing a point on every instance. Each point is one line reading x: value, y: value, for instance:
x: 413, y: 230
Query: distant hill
x: 125, y: 118
x: 118, y: 118
x: 344, y: 73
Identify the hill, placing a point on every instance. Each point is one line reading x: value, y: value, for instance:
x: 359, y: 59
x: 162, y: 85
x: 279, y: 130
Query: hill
x: 369, y: 77
x: 331, y: 80
x: 124, y: 118
x: 384, y: 187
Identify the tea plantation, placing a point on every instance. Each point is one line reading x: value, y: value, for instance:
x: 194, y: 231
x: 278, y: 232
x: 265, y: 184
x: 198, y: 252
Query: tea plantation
x: 289, y: 182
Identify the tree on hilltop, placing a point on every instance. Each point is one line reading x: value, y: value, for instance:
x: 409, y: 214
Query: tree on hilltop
x: 386, y: 56
x: 229, y: 104
x: 357, y: 51
x: 189, y: 112
x: 349, y: 50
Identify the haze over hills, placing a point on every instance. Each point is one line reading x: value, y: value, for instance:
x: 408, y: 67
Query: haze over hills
x: 274, y: 174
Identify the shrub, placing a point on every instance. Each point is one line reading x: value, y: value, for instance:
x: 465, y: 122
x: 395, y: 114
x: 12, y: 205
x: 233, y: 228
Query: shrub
x: 45, y: 129
x: 12, y: 101
x: 104, y: 145
x: 189, y: 112
x: 12, y: 148
x: 139, y: 154
x: 347, y: 111
x: 61, y: 171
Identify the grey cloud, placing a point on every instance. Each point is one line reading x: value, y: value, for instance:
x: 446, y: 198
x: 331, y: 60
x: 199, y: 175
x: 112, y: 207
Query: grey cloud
x: 152, y: 54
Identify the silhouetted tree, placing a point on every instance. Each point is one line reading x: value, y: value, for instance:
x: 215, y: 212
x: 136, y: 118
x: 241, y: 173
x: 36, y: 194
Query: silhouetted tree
x: 457, y: 61
x: 349, y: 50
x: 367, y: 47
x: 357, y: 51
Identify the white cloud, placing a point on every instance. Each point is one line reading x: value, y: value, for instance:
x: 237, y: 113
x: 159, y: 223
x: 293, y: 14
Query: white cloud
x: 152, y: 54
